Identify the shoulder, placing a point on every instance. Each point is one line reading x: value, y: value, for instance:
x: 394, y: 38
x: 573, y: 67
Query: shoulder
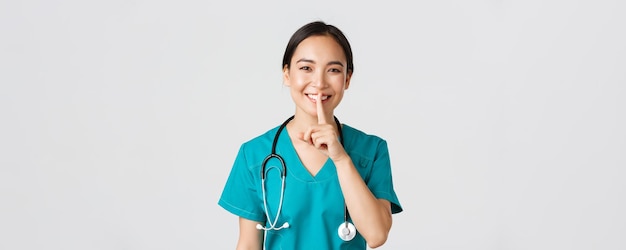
x: 363, y: 144
x: 257, y: 148
x: 262, y: 139
x: 352, y: 134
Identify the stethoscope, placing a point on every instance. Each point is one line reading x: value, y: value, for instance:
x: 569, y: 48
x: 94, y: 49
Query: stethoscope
x: 346, y: 230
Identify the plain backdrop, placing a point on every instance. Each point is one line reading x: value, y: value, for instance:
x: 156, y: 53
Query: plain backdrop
x: 120, y: 120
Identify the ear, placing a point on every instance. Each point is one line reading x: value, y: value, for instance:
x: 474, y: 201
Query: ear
x: 286, y: 76
x: 348, y: 78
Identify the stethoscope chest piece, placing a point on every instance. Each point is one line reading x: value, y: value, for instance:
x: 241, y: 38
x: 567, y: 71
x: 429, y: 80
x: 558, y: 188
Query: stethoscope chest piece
x: 346, y: 231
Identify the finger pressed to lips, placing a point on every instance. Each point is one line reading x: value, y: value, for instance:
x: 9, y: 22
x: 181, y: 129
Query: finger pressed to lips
x: 321, y: 119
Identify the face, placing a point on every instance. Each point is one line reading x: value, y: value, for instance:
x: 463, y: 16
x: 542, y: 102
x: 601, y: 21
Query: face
x: 318, y: 65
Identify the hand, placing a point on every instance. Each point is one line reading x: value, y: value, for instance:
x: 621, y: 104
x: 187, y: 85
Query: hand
x: 323, y: 135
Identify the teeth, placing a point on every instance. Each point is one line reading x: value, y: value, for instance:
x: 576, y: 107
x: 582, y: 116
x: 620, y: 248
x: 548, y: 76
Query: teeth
x: 314, y: 96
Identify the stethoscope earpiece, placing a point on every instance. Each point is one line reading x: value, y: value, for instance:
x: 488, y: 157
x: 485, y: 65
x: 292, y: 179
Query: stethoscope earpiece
x: 260, y: 227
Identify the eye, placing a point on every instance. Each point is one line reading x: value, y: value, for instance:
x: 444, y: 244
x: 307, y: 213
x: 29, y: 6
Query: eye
x: 335, y: 70
x: 307, y: 68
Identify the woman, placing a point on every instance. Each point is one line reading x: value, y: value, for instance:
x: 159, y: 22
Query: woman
x: 336, y: 178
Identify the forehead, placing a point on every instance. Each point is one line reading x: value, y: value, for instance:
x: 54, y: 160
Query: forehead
x: 319, y: 48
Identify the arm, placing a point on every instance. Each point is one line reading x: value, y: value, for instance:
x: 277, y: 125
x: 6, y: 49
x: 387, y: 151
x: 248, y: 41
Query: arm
x: 250, y: 238
x: 371, y: 216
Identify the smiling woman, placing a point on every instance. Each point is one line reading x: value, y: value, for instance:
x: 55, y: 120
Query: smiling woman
x: 324, y: 184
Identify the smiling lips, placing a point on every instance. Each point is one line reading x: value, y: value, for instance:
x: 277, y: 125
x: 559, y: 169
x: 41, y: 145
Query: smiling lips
x: 313, y: 97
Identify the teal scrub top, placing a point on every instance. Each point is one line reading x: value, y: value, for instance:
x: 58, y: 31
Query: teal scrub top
x: 312, y: 205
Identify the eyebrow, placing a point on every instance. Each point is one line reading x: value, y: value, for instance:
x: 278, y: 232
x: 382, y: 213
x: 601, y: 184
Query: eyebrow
x: 329, y: 63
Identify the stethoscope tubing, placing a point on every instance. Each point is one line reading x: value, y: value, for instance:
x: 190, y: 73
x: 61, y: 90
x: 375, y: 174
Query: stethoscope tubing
x: 347, y: 233
x: 280, y: 204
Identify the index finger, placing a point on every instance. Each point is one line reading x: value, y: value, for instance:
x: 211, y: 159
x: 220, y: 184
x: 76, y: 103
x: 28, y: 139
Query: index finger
x: 321, y: 118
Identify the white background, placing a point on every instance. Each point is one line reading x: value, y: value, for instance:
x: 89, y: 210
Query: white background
x: 120, y: 120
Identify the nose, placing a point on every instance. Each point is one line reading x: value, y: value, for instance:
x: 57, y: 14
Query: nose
x: 319, y: 80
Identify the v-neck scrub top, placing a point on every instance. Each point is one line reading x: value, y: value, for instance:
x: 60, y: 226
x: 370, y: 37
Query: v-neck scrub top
x: 312, y: 205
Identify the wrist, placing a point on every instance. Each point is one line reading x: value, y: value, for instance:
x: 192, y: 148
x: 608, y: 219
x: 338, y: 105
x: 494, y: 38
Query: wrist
x: 341, y: 159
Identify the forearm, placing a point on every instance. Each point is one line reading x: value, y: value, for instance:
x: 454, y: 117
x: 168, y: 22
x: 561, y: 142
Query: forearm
x: 371, y: 216
x: 250, y: 238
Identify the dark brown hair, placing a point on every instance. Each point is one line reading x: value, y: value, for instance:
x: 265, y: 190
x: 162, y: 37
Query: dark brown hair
x: 318, y: 28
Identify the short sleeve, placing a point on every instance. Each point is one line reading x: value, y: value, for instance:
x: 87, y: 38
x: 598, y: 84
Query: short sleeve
x: 381, y: 181
x: 240, y: 193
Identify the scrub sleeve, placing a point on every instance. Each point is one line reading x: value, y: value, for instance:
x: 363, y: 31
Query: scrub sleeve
x: 240, y: 194
x: 380, y: 180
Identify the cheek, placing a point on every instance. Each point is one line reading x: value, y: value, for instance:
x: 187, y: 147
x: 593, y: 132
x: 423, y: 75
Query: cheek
x: 297, y: 80
x: 339, y: 81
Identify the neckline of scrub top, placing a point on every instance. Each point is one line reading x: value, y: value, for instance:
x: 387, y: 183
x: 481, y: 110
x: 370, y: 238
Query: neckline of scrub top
x: 295, y: 167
